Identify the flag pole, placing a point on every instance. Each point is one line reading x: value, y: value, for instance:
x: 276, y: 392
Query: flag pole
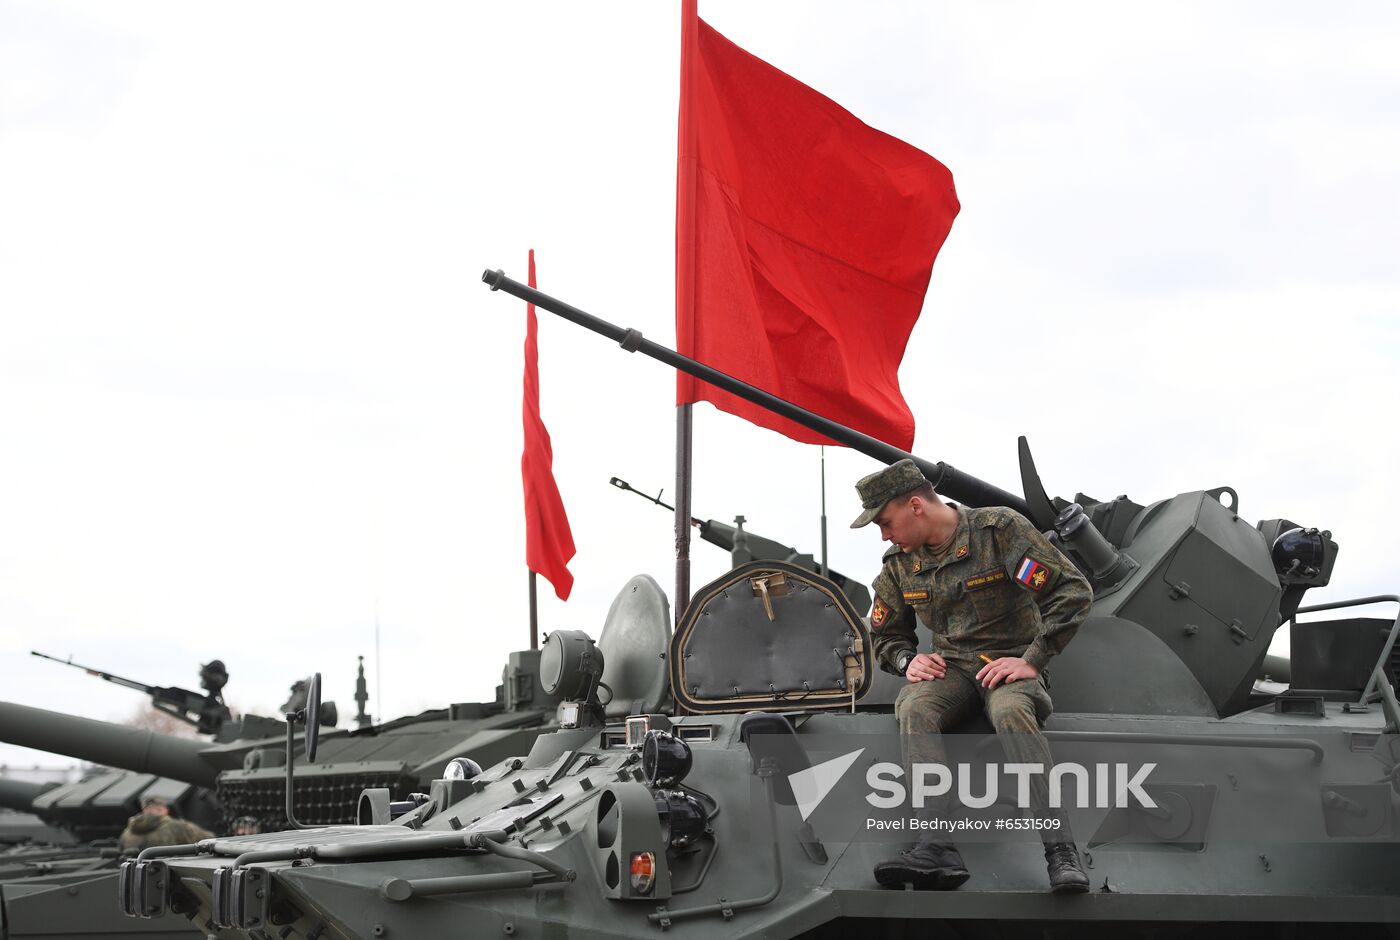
x: 534, y: 615
x: 686, y: 288
x: 826, y: 572
x: 683, y: 467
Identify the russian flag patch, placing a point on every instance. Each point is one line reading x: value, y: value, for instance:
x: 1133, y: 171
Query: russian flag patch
x: 1032, y: 573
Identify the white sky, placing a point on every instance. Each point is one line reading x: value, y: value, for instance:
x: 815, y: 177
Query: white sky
x: 253, y: 395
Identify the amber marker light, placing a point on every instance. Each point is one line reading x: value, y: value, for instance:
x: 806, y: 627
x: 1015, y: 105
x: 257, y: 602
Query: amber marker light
x: 643, y: 872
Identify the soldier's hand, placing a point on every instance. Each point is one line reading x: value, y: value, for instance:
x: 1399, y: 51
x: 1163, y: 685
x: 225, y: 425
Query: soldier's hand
x: 926, y: 666
x: 1006, y: 669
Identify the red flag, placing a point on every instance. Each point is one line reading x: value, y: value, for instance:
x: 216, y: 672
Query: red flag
x: 549, y: 543
x: 804, y: 243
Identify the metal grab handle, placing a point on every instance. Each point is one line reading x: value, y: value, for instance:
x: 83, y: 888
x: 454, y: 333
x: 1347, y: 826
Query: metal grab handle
x: 401, y: 889
x: 203, y: 847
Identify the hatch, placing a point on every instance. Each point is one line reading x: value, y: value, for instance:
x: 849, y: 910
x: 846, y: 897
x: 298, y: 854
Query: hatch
x: 770, y: 636
x: 635, y: 636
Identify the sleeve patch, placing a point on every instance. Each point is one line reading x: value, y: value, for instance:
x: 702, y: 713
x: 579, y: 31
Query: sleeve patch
x: 1034, y: 574
x: 879, y: 613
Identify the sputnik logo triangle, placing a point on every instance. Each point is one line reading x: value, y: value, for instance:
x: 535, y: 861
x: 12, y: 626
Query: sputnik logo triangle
x: 811, y: 786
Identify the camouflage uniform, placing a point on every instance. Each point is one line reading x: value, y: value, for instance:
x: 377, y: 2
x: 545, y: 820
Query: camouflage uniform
x: 999, y: 589
x: 148, y: 829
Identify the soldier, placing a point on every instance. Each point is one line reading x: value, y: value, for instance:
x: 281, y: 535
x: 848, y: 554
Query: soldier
x: 1000, y: 601
x: 155, y: 826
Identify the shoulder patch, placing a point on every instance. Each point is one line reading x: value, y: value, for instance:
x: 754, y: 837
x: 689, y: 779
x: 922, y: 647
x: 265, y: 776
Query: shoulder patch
x: 1035, y: 574
x: 879, y: 613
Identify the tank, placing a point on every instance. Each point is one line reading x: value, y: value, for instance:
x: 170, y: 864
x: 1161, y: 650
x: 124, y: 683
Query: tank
x: 56, y: 881
x: 732, y: 809
x: 235, y: 780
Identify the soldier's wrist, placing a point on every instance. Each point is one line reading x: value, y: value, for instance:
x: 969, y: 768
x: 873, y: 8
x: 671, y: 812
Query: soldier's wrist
x: 902, y: 661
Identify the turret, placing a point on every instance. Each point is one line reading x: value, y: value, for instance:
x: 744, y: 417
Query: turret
x: 1187, y: 594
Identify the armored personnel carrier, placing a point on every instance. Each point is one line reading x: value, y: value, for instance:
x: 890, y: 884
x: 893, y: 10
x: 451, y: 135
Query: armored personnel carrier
x: 711, y: 792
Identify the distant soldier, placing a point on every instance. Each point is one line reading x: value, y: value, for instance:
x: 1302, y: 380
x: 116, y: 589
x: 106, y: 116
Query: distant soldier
x: 246, y: 826
x: 155, y: 826
x: 297, y: 700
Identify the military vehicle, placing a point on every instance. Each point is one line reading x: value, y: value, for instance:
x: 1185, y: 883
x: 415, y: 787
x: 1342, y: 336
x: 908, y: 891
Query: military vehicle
x: 94, y: 810
x: 234, y: 781
x: 697, y: 807
x: 247, y: 770
x: 56, y: 884
x: 19, y: 824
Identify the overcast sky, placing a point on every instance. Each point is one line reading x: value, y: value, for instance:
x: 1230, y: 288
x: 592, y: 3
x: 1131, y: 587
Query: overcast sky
x: 254, y: 400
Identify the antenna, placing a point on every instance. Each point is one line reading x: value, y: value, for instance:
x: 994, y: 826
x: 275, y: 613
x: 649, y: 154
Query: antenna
x: 378, y: 663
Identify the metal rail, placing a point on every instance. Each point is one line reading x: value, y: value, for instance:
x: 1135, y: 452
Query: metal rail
x: 1378, y: 687
x: 1189, y: 740
x: 664, y: 918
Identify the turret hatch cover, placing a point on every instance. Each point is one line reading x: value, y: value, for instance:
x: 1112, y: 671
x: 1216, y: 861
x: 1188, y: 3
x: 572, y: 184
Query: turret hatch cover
x: 636, y: 635
x: 770, y: 636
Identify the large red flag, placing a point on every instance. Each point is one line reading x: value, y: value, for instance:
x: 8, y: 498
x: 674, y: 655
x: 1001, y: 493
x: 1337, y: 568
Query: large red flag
x: 549, y: 543
x: 804, y: 243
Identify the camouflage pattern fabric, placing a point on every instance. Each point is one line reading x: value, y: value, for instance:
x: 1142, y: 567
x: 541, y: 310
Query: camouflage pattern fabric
x: 1016, y: 709
x: 1000, y: 589
x: 148, y: 829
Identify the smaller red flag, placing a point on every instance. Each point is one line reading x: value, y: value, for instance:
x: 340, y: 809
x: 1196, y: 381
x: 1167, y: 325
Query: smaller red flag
x: 549, y: 542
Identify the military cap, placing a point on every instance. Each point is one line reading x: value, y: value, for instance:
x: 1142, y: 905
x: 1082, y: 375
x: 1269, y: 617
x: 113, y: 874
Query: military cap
x: 878, y: 488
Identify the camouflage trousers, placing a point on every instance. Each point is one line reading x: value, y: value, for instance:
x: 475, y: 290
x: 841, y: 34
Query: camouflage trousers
x: 928, y: 709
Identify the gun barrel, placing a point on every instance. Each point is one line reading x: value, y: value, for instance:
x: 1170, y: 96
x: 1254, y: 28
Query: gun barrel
x: 102, y: 742
x: 106, y: 676
x: 19, y: 795
x: 950, y: 482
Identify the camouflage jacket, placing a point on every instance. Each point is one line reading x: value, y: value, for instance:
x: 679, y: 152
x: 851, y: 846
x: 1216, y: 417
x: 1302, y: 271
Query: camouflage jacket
x: 1001, y: 589
x: 148, y: 829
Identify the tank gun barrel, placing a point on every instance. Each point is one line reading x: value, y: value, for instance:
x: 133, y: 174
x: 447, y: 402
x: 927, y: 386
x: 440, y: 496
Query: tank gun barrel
x: 19, y: 795
x: 102, y: 742
x: 950, y: 482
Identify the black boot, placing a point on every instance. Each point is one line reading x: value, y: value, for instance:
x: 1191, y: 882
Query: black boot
x: 1062, y: 864
x: 928, y: 866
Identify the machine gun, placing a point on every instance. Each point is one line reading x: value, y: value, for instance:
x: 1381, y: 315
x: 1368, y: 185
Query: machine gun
x: 744, y: 546
x: 206, y: 712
